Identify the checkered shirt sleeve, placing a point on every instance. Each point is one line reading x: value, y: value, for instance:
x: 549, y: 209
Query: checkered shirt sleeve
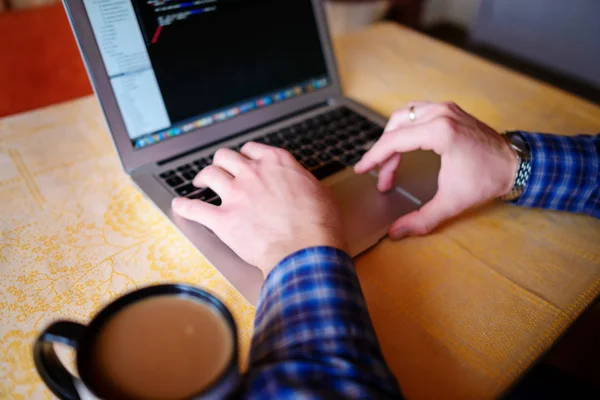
x: 565, y: 173
x: 313, y: 336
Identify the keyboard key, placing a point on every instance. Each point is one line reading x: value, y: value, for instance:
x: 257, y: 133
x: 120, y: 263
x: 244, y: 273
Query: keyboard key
x: 167, y: 174
x: 344, y: 121
x: 347, y: 147
x: 335, y: 151
x: 373, y: 133
x: 312, y: 123
x: 292, y: 146
x: 328, y: 117
x: 354, y: 130
x: 367, y: 125
x: 321, y: 131
x: 304, y: 141
x: 310, y: 163
x: 331, y: 141
x: 204, y: 195
x: 359, y: 142
x: 184, y: 167
x: 324, y: 157
x: 307, y: 151
x: 286, y: 133
x: 301, y: 129
x: 350, y: 158
x: 215, y: 201
x: 275, y: 139
x: 319, y: 145
x: 186, y: 189
x: 312, y: 135
x: 297, y: 153
x: 326, y: 170
x: 337, y: 113
x: 342, y: 134
x: 354, y: 118
x: 189, y: 175
x: 201, y: 163
x: 174, y: 181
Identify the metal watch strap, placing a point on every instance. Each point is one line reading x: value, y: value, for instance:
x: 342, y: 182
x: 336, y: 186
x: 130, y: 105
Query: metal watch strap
x: 519, y: 145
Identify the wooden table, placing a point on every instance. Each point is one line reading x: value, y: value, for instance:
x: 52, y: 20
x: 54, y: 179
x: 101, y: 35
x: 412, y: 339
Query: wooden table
x: 460, y: 313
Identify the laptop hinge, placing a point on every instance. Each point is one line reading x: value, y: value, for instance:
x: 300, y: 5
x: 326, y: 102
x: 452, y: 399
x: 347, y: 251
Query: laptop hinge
x: 241, y: 133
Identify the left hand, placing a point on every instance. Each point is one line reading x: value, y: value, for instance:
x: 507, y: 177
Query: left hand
x: 478, y: 165
x: 272, y: 207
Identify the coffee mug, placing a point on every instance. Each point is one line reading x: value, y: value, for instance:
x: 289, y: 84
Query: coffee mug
x: 165, y: 335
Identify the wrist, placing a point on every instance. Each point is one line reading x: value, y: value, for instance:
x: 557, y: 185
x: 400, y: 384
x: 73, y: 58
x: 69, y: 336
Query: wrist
x: 282, y: 251
x: 284, y: 264
x: 521, y: 168
x: 510, y: 169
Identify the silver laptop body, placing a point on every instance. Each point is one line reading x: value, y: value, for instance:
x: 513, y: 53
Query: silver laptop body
x: 123, y: 44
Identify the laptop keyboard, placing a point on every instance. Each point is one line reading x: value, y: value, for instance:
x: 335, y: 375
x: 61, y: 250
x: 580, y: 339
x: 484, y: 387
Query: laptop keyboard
x: 324, y: 144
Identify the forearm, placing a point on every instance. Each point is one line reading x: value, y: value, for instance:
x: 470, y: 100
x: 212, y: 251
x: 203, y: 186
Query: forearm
x: 565, y: 173
x: 313, y: 335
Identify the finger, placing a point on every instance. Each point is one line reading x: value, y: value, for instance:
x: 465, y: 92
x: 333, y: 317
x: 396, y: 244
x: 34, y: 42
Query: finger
x: 401, y: 140
x: 259, y: 151
x: 401, y: 117
x: 424, y: 112
x: 196, y: 210
x: 387, y: 171
x: 424, y: 220
x: 215, y: 178
x: 230, y: 161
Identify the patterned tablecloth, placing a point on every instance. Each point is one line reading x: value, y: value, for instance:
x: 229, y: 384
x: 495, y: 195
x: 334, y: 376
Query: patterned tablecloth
x: 460, y: 313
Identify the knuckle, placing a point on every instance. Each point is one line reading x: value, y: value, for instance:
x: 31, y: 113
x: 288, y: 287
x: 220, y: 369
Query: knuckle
x: 220, y: 153
x: 253, y: 169
x: 450, y: 105
x: 449, y: 108
x: 282, y: 155
x: 447, y: 124
x: 208, y: 170
x: 422, y: 229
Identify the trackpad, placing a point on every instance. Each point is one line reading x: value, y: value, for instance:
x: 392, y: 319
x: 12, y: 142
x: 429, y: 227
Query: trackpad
x: 418, y: 174
x: 367, y: 213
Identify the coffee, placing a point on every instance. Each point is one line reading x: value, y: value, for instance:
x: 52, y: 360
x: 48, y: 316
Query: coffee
x: 164, y: 347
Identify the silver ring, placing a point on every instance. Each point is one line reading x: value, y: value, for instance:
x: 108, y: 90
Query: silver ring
x: 411, y: 114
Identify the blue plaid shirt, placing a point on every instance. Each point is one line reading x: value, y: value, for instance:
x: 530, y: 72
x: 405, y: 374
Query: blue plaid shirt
x: 313, y: 336
x: 565, y: 173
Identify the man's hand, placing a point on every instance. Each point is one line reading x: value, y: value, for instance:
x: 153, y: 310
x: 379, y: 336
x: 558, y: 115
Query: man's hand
x: 272, y: 207
x: 478, y: 165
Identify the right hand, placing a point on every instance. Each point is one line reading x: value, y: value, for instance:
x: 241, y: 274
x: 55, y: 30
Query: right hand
x: 272, y: 207
x: 478, y: 165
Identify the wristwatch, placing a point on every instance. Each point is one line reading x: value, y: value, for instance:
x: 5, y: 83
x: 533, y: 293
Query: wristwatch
x: 519, y: 145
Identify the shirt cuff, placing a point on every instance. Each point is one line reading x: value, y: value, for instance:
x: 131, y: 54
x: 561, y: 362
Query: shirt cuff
x: 564, y: 173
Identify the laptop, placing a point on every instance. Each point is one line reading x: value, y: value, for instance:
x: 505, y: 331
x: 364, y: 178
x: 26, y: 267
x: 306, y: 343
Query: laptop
x: 177, y: 80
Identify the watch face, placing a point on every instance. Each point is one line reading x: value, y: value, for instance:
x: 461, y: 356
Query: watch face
x: 517, y: 139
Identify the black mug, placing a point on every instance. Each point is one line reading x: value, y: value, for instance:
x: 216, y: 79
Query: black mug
x: 67, y: 387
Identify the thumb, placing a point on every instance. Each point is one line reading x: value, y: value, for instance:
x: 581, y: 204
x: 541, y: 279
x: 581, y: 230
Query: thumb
x: 425, y: 220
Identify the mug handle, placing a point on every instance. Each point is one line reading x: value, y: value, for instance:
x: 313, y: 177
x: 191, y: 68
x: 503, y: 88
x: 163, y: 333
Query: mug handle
x: 51, y: 370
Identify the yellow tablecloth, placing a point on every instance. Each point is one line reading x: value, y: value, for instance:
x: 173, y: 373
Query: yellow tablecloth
x: 460, y: 314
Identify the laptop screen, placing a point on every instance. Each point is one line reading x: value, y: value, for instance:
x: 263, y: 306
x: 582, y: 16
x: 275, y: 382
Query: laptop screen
x: 176, y: 66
